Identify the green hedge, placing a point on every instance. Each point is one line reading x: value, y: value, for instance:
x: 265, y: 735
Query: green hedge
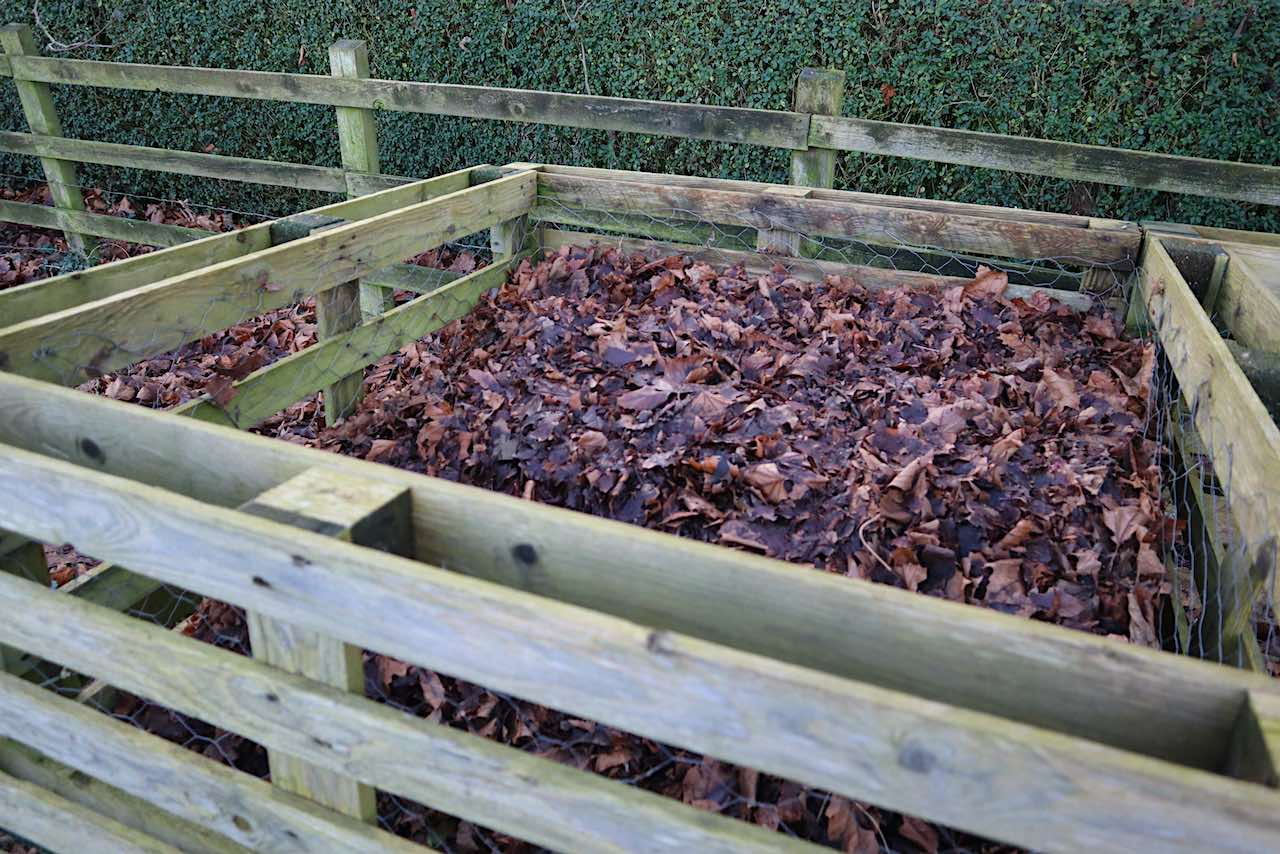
x: 1177, y: 76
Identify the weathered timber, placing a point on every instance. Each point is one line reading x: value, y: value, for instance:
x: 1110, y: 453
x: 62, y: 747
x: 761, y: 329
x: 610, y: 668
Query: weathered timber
x: 1162, y: 705
x: 820, y: 92
x: 1240, y: 438
x: 42, y: 118
x: 249, y: 170
x: 466, y: 775
x: 58, y: 824
x: 73, y: 345
x: 102, y: 225
x: 759, y: 263
x: 1249, y: 299
x: 1263, y: 370
x: 1247, y: 182
x: 162, y: 788
x: 1113, y: 248
x: 723, y: 124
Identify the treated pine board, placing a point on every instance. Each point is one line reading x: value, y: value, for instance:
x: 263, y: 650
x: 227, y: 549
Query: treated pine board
x: 22, y: 762
x: 246, y: 169
x: 276, y: 386
x: 42, y: 118
x: 102, y: 225
x: 934, y: 205
x: 759, y: 264
x: 80, y: 343
x: 723, y: 124
x: 1239, y: 436
x: 58, y: 824
x: 1156, y: 703
x: 46, y: 296
x: 364, y: 512
x: 465, y: 775
x: 872, y: 223
x: 1247, y: 182
x: 1249, y: 298
x: 892, y: 749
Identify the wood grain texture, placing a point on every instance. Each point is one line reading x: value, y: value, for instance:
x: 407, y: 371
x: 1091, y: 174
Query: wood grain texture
x: 871, y: 223
x: 1249, y: 298
x: 1247, y: 182
x: 42, y: 118
x: 58, y: 824
x: 819, y: 91
x: 1130, y: 697
x: 896, y: 750
x: 76, y: 344
x: 723, y: 124
x: 162, y: 787
x: 1238, y: 434
x: 246, y: 169
x: 812, y: 269
x: 465, y: 775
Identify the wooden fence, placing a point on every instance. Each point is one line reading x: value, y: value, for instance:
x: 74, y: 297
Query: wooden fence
x: 1021, y: 731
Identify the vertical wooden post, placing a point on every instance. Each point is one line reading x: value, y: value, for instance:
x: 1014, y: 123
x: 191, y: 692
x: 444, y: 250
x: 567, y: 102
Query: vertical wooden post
x: 42, y: 118
x: 819, y: 91
x: 358, y: 140
x: 368, y: 513
x: 25, y: 559
x: 780, y: 241
x: 507, y: 239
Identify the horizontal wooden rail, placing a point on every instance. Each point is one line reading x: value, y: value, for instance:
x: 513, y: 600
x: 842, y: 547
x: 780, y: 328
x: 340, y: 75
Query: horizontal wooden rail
x: 100, y: 225
x: 1116, y: 247
x: 867, y: 743
x: 246, y: 169
x: 82, y: 342
x: 231, y: 803
x: 723, y: 124
x: 1247, y: 182
x: 1162, y: 705
x: 465, y: 775
x: 59, y: 293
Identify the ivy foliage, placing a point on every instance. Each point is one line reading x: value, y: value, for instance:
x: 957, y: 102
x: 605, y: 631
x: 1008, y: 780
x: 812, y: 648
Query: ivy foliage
x: 1192, y: 77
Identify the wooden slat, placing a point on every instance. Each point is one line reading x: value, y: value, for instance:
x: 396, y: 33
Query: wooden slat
x: 1249, y: 298
x: 872, y: 223
x: 893, y: 749
x: 47, y: 296
x: 102, y: 225
x: 462, y: 774
x: 61, y: 825
x: 759, y: 264
x: 1247, y: 182
x: 724, y: 124
x: 80, y: 343
x: 1239, y: 436
x: 1163, y: 705
x: 148, y: 774
x: 249, y: 170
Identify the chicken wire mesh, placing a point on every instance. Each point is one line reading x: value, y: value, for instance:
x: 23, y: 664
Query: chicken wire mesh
x: 1191, y: 538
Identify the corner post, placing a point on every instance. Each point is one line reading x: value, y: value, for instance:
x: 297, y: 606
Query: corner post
x: 42, y: 118
x: 358, y: 140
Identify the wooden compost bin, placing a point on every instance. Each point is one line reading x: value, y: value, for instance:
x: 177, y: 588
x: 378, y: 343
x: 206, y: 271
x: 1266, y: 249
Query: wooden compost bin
x: 1015, y: 730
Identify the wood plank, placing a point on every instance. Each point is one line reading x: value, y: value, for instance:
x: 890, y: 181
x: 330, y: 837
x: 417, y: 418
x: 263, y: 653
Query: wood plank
x: 46, y: 296
x: 149, y: 775
x: 59, y: 824
x: 1239, y: 436
x: 42, y: 118
x: 892, y: 749
x: 657, y: 118
x: 1247, y: 182
x: 812, y: 269
x: 80, y: 343
x: 1159, y: 704
x: 871, y: 223
x: 1249, y: 298
x: 338, y: 311
x: 364, y: 512
x: 1255, y: 748
x: 465, y: 775
x: 102, y: 225
x: 246, y: 169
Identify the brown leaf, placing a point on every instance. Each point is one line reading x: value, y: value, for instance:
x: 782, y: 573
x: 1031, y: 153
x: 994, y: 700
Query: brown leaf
x: 221, y: 390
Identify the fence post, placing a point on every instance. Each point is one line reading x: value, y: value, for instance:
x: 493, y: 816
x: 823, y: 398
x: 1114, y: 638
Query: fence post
x: 25, y: 559
x: 819, y: 91
x: 358, y: 140
x: 42, y: 118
